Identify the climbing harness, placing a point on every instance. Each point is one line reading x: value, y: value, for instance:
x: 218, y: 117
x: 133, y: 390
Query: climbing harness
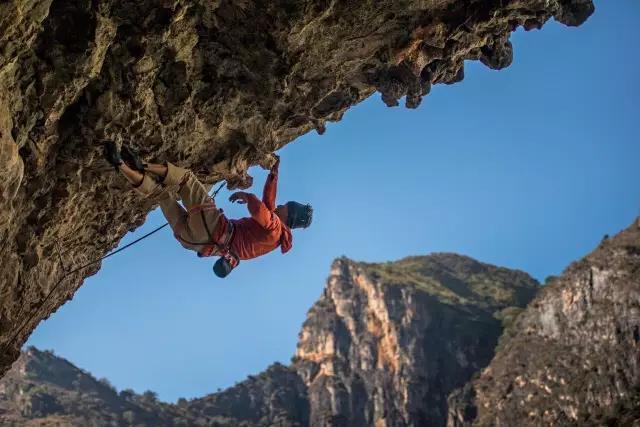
x: 67, y: 273
x: 212, y: 246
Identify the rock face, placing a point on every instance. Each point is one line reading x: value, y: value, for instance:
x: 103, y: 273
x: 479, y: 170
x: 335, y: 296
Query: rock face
x: 572, y: 358
x: 216, y: 86
x: 387, y: 343
x: 383, y: 346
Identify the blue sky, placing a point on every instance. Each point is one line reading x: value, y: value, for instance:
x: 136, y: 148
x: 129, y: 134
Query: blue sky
x: 526, y: 168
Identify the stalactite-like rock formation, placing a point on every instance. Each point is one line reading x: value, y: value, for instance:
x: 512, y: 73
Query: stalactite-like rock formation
x: 216, y: 86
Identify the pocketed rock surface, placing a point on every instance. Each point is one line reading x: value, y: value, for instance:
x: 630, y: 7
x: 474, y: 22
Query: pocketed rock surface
x: 215, y: 86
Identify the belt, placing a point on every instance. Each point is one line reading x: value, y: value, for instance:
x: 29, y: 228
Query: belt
x: 227, y: 236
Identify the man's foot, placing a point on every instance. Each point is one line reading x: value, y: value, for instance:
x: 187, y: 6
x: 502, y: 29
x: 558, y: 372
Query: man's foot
x: 130, y: 157
x: 112, y: 154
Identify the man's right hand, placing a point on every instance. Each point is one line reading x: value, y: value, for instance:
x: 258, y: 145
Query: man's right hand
x: 239, y: 197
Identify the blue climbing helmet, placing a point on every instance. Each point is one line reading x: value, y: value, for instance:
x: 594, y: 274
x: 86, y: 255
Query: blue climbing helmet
x: 299, y: 215
x: 225, y: 265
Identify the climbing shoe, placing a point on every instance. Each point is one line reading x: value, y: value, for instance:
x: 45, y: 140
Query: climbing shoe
x: 131, y: 158
x: 112, y: 154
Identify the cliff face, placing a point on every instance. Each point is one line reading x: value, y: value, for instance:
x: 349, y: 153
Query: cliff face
x: 573, y: 356
x: 387, y: 343
x: 216, y: 86
x: 384, y: 346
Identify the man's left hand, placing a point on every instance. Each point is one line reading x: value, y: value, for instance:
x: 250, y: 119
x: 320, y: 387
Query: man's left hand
x: 276, y: 165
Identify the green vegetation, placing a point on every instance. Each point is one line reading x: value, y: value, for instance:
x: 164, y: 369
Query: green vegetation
x: 394, y: 274
x: 458, y: 280
x: 508, y: 318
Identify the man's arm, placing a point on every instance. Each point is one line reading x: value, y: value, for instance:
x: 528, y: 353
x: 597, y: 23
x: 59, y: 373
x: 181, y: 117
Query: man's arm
x: 271, y: 186
x: 258, y: 210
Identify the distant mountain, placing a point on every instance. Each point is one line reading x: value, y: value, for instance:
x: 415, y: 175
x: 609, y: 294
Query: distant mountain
x: 572, y: 358
x: 387, y: 343
x: 44, y: 389
x: 384, y: 345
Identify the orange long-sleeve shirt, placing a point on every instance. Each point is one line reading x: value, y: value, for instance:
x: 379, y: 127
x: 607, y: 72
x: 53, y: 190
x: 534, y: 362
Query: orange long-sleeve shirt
x: 263, y: 231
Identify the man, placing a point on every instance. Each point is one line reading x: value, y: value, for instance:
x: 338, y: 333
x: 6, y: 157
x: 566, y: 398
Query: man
x: 202, y: 227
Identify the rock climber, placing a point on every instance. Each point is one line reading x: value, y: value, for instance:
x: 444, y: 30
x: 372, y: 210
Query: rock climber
x: 202, y: 227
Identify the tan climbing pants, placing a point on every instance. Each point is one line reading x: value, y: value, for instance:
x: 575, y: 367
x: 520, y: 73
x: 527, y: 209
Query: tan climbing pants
x: 188, y: 224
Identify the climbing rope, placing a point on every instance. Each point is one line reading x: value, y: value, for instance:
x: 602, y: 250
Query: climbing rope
x: 66, y: 274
